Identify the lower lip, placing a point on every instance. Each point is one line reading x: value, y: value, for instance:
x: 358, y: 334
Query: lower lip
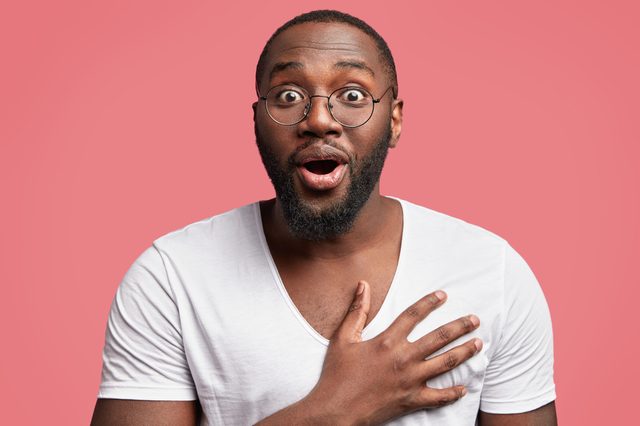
x: 322, y: 182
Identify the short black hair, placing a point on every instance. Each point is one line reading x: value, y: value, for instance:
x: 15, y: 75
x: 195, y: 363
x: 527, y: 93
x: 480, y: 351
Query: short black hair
x: 326, y: 16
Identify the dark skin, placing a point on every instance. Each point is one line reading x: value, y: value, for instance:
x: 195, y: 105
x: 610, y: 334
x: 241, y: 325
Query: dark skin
x: 370, y: 251
x: 320, y: 275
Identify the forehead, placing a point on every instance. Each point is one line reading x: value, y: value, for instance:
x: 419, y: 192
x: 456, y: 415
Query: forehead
x: 318, y: 47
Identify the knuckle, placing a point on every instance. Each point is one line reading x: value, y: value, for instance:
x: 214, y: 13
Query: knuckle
x: 449, y: 397
x: 354, y: 307
x: 472, y: 349
x: 467, y: 325
x: 408, y: 403
x: 450, y: 361
x: 441, y: 397
x: 385, y: 343
x: 442, y: 401
x: 413, y: 312
x: 400, y: 363
x: 443, y: 334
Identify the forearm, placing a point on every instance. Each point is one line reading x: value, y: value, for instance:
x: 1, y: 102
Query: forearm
x: 543, y: 416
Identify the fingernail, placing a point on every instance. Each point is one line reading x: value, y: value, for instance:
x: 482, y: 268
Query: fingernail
x: 441, y: 295
x: 360, y: 288
x: 474, y: 320
x: 478, y: 344
x: 464, y: 391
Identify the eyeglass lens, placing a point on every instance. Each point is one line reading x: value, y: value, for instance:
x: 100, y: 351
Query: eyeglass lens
x: 289, y: 104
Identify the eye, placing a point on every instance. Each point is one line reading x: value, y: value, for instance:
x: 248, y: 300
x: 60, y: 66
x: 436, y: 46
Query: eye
x: 353, y: 95
x: 288, y: 96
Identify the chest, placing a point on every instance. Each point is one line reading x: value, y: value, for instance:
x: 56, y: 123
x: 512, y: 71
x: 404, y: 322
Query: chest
x: 323, y: 294
x: 252, y: 356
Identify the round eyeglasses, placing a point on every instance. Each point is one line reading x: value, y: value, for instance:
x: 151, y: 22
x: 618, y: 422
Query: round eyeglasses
x: 351, y: 106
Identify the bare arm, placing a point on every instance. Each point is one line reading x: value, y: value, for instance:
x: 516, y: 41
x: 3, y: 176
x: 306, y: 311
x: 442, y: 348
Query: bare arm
x: 543, y: 416
x: 126, y: 412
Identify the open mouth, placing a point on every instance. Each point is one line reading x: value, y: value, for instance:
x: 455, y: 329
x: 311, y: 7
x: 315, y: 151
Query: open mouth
x: 321, y: 167
x: 322, y: 175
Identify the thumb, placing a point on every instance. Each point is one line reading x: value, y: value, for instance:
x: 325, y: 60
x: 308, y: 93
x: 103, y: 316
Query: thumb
x: 350, y: 330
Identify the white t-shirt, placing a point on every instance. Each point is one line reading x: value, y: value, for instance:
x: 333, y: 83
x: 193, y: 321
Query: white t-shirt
x: 203, y: 314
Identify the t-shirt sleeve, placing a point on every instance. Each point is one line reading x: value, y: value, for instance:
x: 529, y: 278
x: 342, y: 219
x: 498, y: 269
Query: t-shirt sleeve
x: 519, y: 376
x: 143, y: 356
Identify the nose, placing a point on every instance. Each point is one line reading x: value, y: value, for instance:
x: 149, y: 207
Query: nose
x: 319, y: 122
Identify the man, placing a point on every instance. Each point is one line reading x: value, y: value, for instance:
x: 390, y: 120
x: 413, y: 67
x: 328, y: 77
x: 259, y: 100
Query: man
x: 329, y: 304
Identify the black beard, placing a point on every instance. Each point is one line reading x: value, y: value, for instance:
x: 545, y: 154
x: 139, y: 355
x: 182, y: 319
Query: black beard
x: 303, y: 221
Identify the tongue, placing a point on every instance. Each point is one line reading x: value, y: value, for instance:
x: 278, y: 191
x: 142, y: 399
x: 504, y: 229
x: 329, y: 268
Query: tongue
x: 321, y: 167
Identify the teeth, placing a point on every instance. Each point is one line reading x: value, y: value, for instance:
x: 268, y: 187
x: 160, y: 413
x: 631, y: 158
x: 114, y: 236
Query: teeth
x: 321, y: 167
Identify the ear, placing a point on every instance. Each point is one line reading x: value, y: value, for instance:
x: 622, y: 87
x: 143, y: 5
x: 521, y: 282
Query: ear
x: 396, y: 122
x: 254, y: 107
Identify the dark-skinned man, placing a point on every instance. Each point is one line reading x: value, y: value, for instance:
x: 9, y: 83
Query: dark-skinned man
x: 330, y: 304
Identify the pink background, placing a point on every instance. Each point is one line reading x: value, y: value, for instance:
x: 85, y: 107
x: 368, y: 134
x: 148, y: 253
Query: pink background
x: 125, y: 120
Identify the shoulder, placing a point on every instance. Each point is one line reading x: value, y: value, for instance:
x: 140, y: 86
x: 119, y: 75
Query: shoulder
x: 476, y: 260
x: 433, y: 230
x: 232, y: 225
x: 466, y: 245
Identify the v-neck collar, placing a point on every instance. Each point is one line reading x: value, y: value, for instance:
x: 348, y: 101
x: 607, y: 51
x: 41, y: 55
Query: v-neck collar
x: 287, y: 298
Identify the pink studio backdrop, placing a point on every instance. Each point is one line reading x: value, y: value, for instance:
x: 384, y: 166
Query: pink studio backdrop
x: 123, y: 120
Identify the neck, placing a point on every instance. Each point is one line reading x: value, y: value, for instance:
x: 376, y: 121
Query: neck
x: 377, y: 219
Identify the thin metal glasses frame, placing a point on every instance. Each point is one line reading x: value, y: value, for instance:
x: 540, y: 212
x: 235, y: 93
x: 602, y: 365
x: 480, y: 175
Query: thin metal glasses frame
x: 307, y: 107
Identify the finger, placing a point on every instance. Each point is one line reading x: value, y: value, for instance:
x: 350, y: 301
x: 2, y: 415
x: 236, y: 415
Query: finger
x: 443, y: 335
x: 451, y: 359
x: 350, y: 330
x: 407, y: 320
x: 430, y: 397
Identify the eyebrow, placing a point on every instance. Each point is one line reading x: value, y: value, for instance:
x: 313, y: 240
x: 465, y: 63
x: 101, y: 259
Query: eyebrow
x: 283, y: 66
x: 355, y: 64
